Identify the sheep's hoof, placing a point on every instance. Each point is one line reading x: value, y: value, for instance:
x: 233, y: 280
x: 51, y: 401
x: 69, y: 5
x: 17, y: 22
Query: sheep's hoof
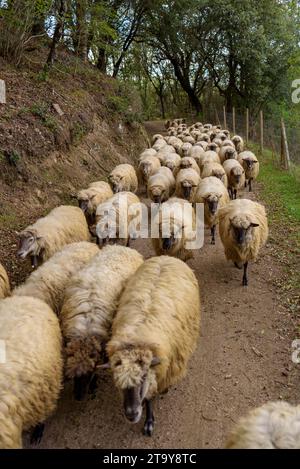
x: 148, y: 428
x: 245, y: 282
x: 212, y: 241
x: 37, y: 434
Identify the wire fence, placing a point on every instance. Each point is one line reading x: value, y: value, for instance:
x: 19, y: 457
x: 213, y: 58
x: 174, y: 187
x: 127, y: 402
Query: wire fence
x: 261, y: 131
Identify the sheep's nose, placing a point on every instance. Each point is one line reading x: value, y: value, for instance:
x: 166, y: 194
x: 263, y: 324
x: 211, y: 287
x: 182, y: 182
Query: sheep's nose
x: 156, y: 199
x: 21, y: 254
x: 132, y: 414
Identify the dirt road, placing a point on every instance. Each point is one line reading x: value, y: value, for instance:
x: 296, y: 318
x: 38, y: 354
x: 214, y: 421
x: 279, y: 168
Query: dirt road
x: 243, y: 360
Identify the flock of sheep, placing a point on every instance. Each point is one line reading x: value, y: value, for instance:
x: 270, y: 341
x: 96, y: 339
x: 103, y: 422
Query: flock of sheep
x: 89, y: 306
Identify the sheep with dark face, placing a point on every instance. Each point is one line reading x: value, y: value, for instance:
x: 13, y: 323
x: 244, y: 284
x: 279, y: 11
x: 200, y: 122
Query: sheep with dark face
x: 161, y: 185
x: 90, y: 198
x: 123, y: 178
x: 243, y: 231
x: 227, y: 152
x: 154, y: 333
x: 187, y: 181
x: 238, y: 143
x: 147, y: 166
x: 48, y: 235
x: 214, y: 195
x: 251, y: 166
x: 235, y: 175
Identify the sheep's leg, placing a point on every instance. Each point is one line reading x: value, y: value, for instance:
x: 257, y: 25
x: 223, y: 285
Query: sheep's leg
x: 245, y: 183
x: 93, y: 386
x: 81, y: 385
x: 250, y: 185
x: 149, y: 422
x: 37, y: 434
x: 245, y: 277
x: 235, y: 193
x: 230, y: 192
x: 128, y: 242
x: 213, y: 233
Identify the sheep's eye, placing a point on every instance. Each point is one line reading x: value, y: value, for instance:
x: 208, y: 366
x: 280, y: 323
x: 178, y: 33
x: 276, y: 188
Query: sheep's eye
x: 119, y: 363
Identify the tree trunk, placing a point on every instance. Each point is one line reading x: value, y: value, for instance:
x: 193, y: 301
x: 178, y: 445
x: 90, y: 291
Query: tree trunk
x: 82, y: 29
x: 162, y: 105
x: 101, y: 62
x: 57, y: 32
x: 186, y: 86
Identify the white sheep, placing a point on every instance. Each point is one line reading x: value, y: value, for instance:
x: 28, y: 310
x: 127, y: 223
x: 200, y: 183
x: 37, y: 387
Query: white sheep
x: 214, y: 169
x: 208, y: 157
x: 187, y: 181
x: 159, y: 144
x: 202, y: 144
x: 90, y: 198
x: 243, y: 231
x: 275, y: 425
x: 189, y: 162
x: 175, y: 223
x: 146, y: 153
x: 185, y: 148
x: 4, y: 283
x: 251, y: 166
x: 172, y: 161
x: 31, y: 375
x: 238, y: 143
x: 227, y: 153
x: 63, y: 225
x: 89, y: 307
x: 235, y: 175
x: 49, y: 281
x: 161, y: 185
x: 123, y: 178
x: 154, y: 333
x: 115, y: 216
x: 214, y: 195
x: 147, y: 166
x: 157, y: 137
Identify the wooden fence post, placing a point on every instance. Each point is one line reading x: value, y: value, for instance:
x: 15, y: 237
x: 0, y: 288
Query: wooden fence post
x: 285, y: 154
x: 217, y: 117
x: 224, y: 117
x: 261, y: 131
x: 233, y: 120
x: 247, y: 125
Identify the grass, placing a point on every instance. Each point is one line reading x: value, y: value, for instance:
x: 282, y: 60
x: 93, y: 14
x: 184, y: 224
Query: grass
x: 280, y: 191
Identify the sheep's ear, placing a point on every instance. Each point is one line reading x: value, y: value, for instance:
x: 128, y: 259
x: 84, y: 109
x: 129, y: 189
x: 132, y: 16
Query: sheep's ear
x: 155, y: 361
x: 254, y: 225
x: 104, y: 366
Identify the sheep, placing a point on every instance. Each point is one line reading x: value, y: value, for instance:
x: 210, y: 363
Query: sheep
x: 243, y: 231
x: 208, y: 157
x: 167, y: 150
x: 175, y: 223
x: 207, y: 126
x: 238, y: 143
x: 227, y: 143
x: 196, y: 152
x: 227, y: 153
x: 218, y: 142
x: 31, y: 376
x: 221, y: 136
x: 114, y: 217
x: 189, y: 162
x: 157, y: 137
x: 187, y: 181
x: 90, y: 198
x: 189, y: 139
x: 251, y: 166
x: 214, y: 169
x: 123, y: 178
x: 146, y: 153
x: 148, y: 166
x: 172, y: 161
x: 235, y: 175
x: 214, y: 195
x: 275, y: 425
x: 185, y: 148
x: 154, y: 333
x: 204, y: 138
x: 172, y: 132
x: 63, y: 225
x: 161, y: 185
x: 4, y: 283
x: 159, y: 144
x: 89, y: 307
x: 213, y: 147
x: 49, y: 281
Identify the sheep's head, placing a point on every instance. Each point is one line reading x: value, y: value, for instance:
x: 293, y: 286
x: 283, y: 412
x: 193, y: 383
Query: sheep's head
x: 170, y: 164
x: 213, y: 147
x: 212, y: 203
x: 237, y: 173
x: 249, y: 162
x: 30, y: 244
x: 156, y: 193
x: 134, y: 375
x: 145, y: 167
x: 220, y: 174
x: 230, y: 153
x: 242, y: 227
x: 117, y: 182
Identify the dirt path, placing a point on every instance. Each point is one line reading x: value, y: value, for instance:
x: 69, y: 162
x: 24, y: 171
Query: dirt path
x: 243, y: 359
